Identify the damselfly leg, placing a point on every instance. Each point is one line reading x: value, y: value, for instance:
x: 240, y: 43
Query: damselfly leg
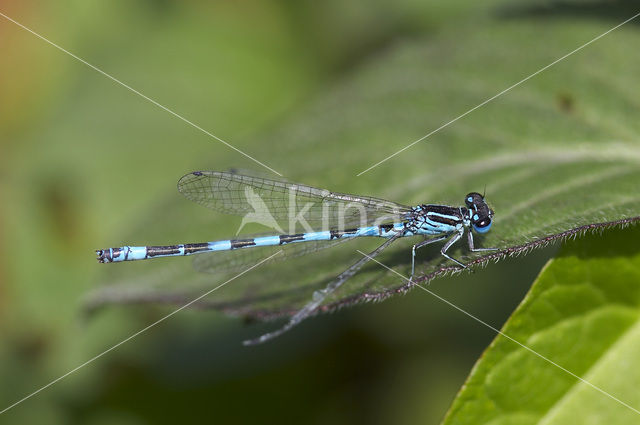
x: 321, y: 295
x: 473, y: 249
x: 418, y: 246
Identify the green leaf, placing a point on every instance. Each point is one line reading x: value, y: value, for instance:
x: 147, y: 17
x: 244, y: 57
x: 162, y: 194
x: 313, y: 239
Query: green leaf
x: 583, y: 313
x: 558, y: 154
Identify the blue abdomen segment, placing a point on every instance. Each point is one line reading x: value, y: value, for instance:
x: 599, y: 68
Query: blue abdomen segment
x: 133, y: 253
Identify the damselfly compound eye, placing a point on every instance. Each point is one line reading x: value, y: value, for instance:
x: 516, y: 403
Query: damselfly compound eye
x: 482, y: 226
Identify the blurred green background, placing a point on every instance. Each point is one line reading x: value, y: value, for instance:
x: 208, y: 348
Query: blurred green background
x: 85, y: 163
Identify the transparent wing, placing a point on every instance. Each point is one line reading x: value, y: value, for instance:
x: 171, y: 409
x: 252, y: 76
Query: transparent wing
x: 277, y: 204
x: 239, y: 260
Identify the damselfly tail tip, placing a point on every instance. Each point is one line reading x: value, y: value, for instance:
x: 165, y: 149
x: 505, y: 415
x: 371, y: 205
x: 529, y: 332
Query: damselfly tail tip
x: 103, y: 255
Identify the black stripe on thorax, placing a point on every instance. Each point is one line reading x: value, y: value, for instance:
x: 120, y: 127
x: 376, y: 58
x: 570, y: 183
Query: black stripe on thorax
x: 441, y: 209
x: 443, y: 220
x: 435, y: 213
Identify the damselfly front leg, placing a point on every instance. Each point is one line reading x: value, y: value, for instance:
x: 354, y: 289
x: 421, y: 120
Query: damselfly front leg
x: 455, y: 238
x: 444, y: 249
x: 473, y: 249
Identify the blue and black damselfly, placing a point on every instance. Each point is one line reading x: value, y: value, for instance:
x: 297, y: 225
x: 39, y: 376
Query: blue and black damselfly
x: 326, y: 218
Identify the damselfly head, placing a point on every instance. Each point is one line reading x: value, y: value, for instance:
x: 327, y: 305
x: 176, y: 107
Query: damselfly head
x: 479, y: 212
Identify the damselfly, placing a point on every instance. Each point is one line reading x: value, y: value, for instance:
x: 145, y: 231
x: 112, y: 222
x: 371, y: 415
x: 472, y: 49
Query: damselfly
x: 326, y: 217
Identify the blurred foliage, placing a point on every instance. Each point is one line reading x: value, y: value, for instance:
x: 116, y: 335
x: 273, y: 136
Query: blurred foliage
x: 583, y: 312
x: 318, y: 91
